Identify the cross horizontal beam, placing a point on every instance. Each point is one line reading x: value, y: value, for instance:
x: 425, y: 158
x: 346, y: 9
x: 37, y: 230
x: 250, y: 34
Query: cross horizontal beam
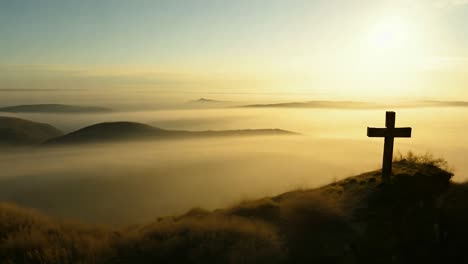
x: 390, y: 132
x: 401, y: 132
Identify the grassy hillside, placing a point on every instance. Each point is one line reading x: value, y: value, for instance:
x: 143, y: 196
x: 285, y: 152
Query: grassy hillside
x: 419, y: 217
x: 15, y: 131
x: 119, y: 131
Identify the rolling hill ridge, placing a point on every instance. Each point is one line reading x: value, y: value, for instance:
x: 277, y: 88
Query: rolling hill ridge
x: 121, y: 131
x: 360, y: 105
x: 16, y: 131
x: 53, y: 108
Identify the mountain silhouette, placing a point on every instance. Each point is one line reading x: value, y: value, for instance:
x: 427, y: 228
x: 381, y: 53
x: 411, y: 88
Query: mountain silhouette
x: 320, y: 104
x: 205, y: 100
x: 16, y: 131
x: 360, y: 105
x: 121, y: 131
x: 208, y: 101
x: 53, y: 108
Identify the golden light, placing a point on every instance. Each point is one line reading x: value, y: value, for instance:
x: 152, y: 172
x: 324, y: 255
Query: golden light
x: 392, y: 44
x: 385, y: 60
x: 389, y: 34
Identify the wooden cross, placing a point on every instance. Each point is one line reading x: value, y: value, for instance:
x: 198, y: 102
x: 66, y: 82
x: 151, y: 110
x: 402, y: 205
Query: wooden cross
x: 389, y: 133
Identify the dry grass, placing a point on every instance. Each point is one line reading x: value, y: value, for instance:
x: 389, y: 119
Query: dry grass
x: 27, y: 236
x: 204, y: 239
x: 343, y: 222
x: 411, y: 158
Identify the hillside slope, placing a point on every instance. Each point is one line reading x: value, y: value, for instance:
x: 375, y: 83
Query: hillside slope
x: 420, y: 217
x: 16, y: 131
x: 122, y: 131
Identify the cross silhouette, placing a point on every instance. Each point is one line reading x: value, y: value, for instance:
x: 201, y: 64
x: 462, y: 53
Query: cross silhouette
x: 389, y: 133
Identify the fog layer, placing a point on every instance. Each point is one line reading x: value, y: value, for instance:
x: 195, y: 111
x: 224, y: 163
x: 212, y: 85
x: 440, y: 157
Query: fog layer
x: 135, y: 182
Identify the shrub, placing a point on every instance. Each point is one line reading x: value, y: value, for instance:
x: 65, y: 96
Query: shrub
x: 410, y: 158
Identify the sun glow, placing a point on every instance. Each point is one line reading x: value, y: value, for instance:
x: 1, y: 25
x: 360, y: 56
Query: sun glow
x: 389, y: 34
x: 386, y: 62
x: 392, y: 44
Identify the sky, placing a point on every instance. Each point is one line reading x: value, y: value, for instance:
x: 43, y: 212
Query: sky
x: 355, y: 49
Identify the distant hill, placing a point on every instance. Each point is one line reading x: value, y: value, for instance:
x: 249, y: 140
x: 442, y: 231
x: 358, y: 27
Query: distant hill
x: 433, y: 103
x: 122, y: 131
x: 419, y: 217
x: 15, y: 131
x: 53, y: 108
x: 360, y: 105
x: 319, y: 104
x: 207, y: 101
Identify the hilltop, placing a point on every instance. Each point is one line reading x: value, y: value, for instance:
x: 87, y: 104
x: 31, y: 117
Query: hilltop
x: 419, y: 217
x: 209, y: 103
x: 16, y: 131
x: 53, y: 108
x: 205, y: 100
x: 120, y: 131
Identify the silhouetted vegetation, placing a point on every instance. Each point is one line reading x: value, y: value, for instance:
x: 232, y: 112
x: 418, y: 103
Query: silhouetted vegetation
x: 27, y: 236
x: 419, y: 216
x: 214, y: 238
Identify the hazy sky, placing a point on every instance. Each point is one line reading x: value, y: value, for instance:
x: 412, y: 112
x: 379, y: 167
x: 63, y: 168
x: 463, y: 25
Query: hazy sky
x: 338, y: 49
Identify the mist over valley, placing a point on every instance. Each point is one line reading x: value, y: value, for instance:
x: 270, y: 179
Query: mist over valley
x: 127, y: 181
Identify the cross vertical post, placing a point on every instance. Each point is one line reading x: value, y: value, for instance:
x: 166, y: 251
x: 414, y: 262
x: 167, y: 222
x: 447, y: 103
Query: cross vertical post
x: 389, y: 133
x: 388, y: 145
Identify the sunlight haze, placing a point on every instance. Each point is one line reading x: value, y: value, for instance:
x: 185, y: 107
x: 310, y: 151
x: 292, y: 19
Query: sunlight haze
x: 331, y: 49
x: 233, y: 131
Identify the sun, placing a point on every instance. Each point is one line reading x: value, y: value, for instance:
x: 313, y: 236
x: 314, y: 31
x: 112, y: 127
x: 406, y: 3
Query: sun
x: 389, y: 34
x: 388, y: 55
x: 391, y: 43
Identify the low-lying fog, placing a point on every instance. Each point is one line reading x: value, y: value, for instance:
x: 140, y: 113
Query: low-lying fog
x: 136, y: 182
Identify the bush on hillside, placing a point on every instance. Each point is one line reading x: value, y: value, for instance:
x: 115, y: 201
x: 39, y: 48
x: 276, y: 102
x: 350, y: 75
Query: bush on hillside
x: 428, y: 159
